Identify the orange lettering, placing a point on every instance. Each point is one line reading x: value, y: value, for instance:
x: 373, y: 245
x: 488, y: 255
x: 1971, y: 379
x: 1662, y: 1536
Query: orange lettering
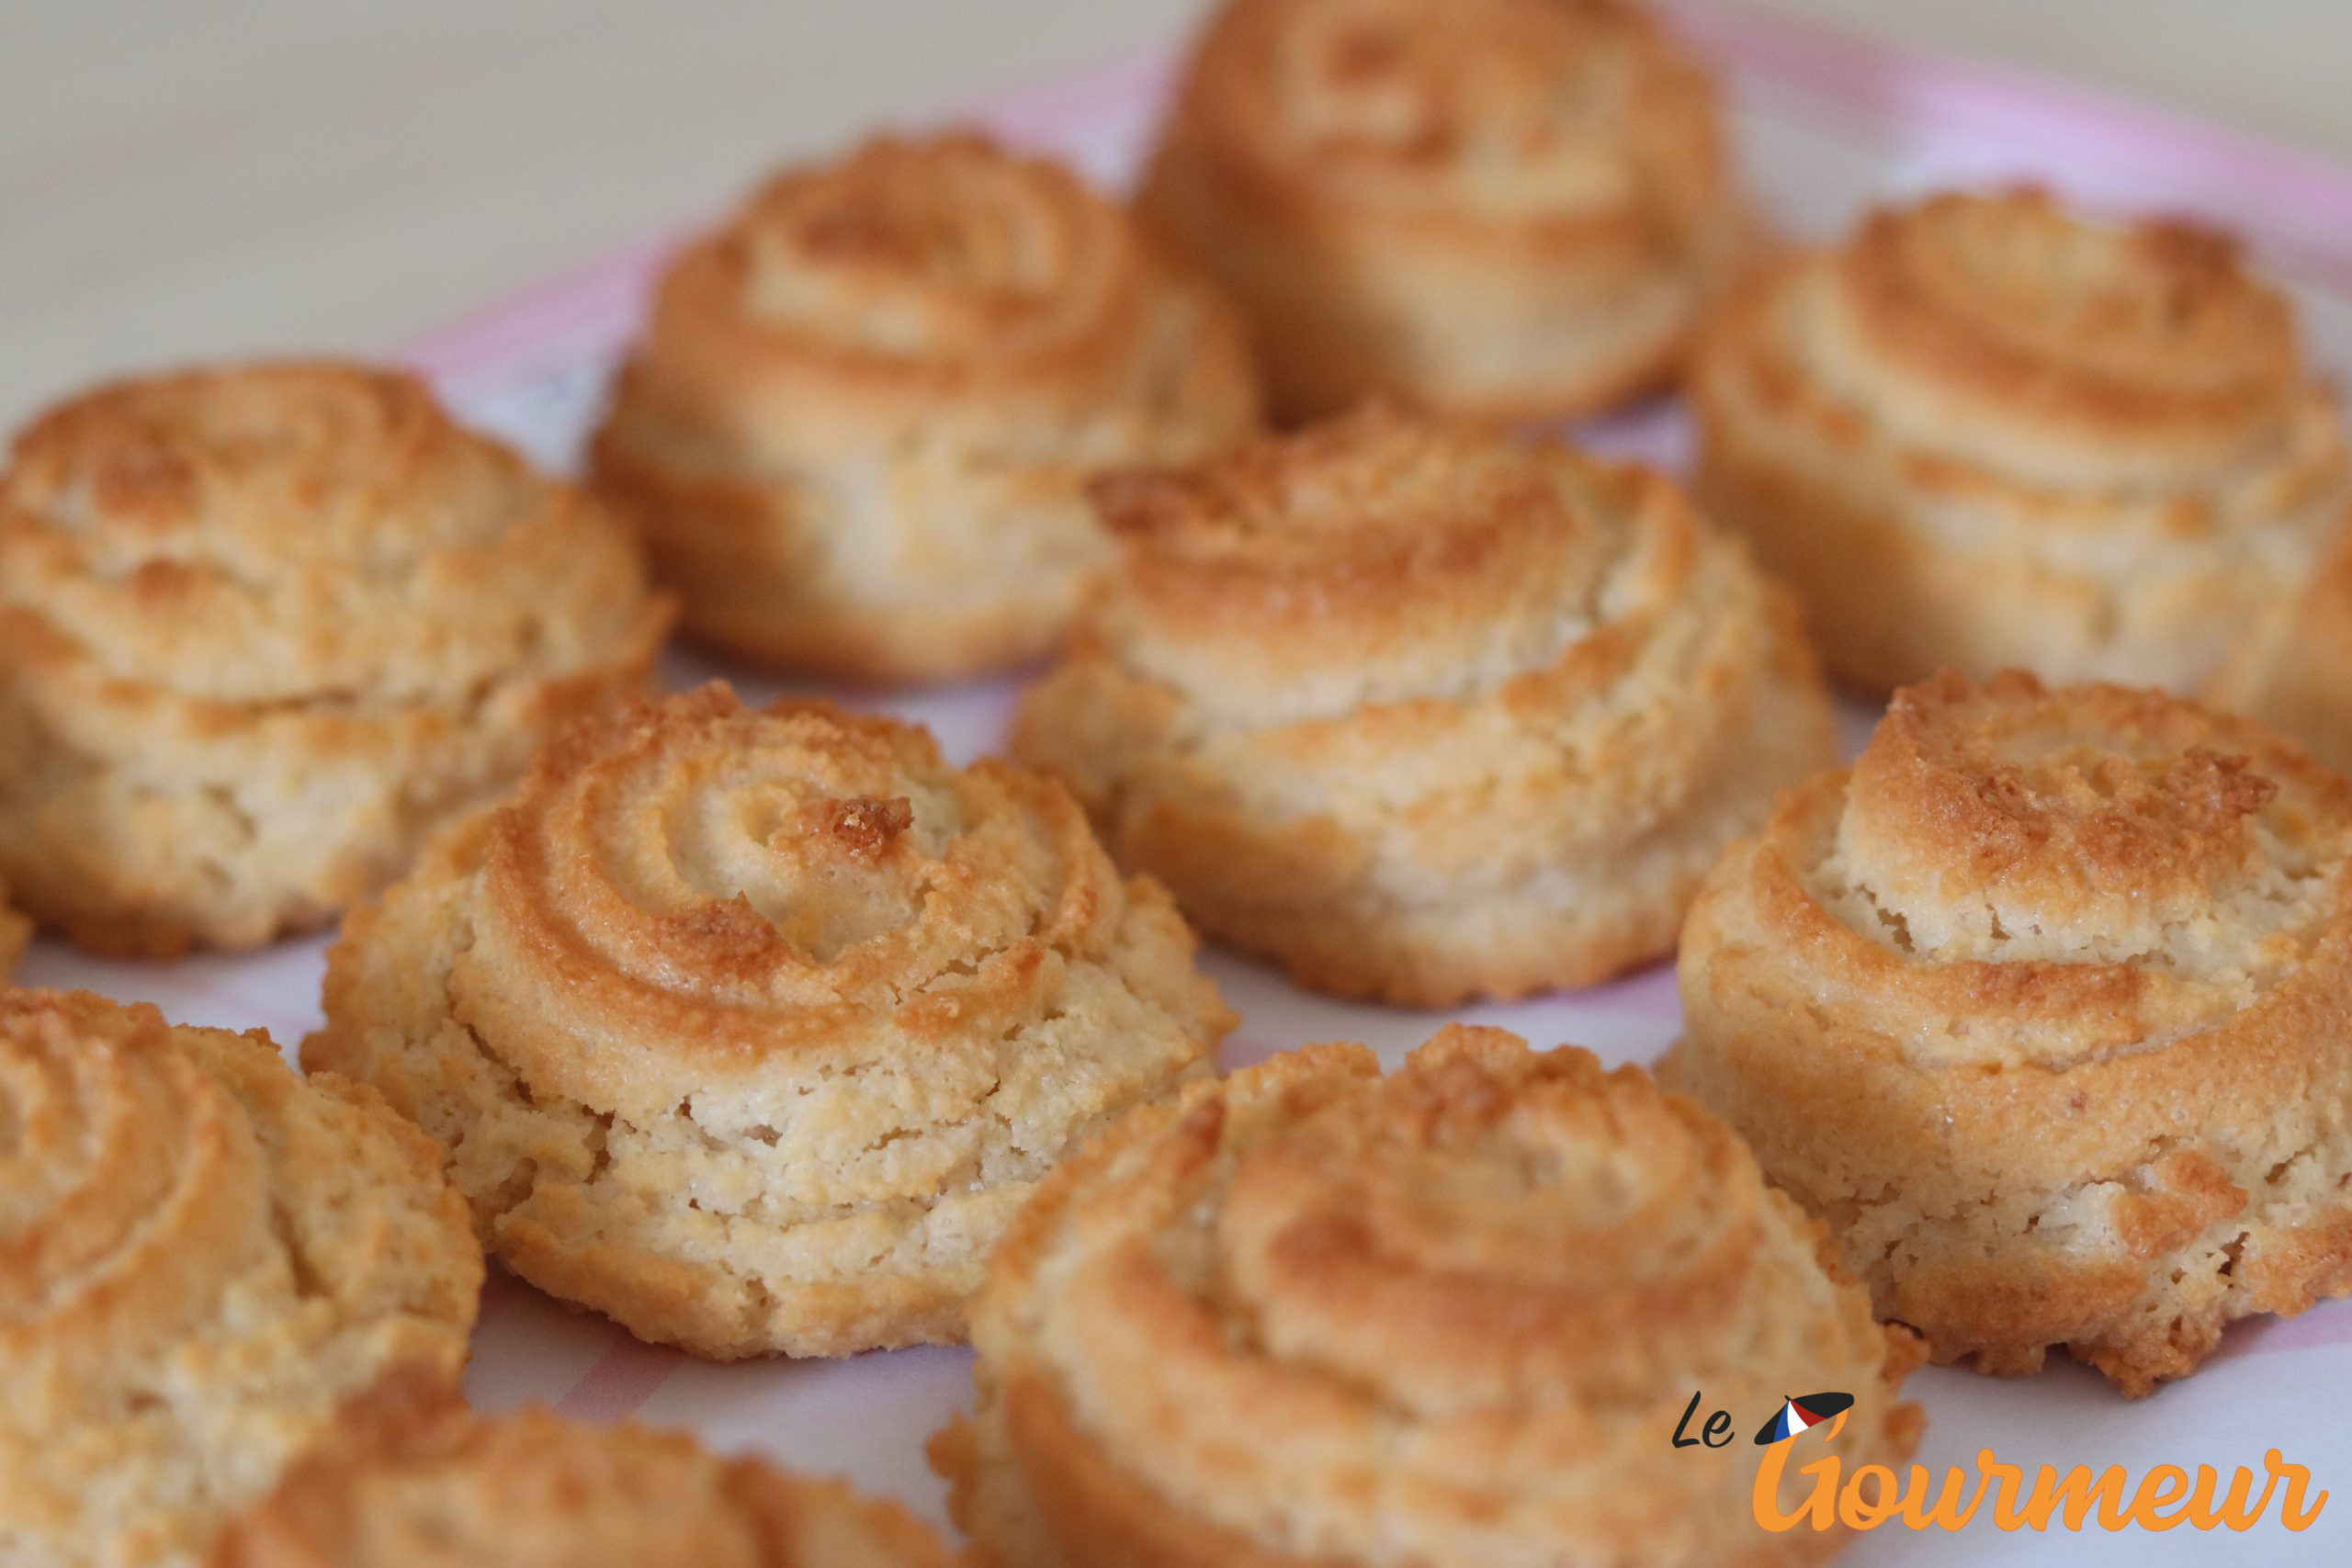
x: 2005, y: 1496
x: 1946, y: 1514
x: 2290, y: 1506
x: 1820, y: 1509
x: 1857, y: 1514
x: 2164, y: 1500
x: 2233, y: 1511
x: 2164, y: 1485
x: 2076, y: 1494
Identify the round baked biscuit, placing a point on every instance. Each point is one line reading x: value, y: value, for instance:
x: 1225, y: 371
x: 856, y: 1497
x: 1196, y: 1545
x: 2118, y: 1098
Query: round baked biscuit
x: 751, y: 1029
x: 1308, y: 1317
x: 202, y: 1256
x: 263, y: 628
x: 1423, y: 713
x: 1510, y: 208
x: 1988, y: 432
x: 2042, y: 1007
x: 410, y: 1478
x: 856, y: 432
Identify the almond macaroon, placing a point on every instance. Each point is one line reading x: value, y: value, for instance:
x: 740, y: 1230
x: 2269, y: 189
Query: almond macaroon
x: 1422, y: 712
x: 1988, y: 431
x: 2042, y: 1006
x: 857, y: 431
x: 205, y: 1257
x: 751, y: 1028
x: 1509, y: 209
x: 410, y: 1478
x: 1312, y: 1317
x: 264, y: 629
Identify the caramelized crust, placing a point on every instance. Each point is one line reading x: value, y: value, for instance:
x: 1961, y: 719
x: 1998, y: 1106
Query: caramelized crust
x: 201, y: 1256
x: 1509, y: 207
x: 410, y: 1478
x: 751, y: 1028
x: 1988, y: 432
x: 856, y: 431
x: 1424, y: 713
x: 1309, y: 1316
x: 2294, y: 670
x: 2041, y: 1007
x: 263, y: 628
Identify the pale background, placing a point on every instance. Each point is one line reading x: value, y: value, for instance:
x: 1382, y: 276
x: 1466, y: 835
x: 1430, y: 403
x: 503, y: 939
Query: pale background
x: 190, y: 179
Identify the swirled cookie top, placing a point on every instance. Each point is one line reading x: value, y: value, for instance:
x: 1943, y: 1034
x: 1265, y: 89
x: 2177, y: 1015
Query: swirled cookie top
x: 2005, y: 330
x: 1513, y: 110
x: 944, y: 260
x: 314, y: 533
x: 2058, y: 873
x: 732, y: 882
x: 1381, y: 558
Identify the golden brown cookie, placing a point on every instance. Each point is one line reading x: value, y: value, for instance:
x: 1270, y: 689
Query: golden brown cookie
x: 2294, y: 670
x: 2044, y: 1008
x: 1308, y: 1317
x: 263, y: 628
x: 1988, y: 432
x: 751, y: 1029
x: 1514, y: 209
x: 1424, y: 713
x: 410, y: 1478
x: 858, y: 429
x: 202, y: 1257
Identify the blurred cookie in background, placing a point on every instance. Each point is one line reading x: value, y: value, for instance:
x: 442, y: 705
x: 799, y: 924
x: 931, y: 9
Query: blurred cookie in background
x: 1511, y: 209
x: 263, y: 628
x: 856, y: 432
x: 1988, y: 432
x: 2293, y: 671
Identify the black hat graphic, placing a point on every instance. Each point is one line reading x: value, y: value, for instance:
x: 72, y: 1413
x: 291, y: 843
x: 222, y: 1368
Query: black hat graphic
x: 1796, y: 1415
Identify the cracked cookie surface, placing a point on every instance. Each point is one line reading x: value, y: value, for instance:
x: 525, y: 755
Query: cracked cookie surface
x: 749, y: 1028
x: 2043, y: 1006
x: 202, y: 1257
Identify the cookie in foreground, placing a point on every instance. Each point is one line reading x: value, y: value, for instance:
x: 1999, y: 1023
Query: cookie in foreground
x: 750, y: 1028
x: 410, y: 1478
x: 1988, y: 431
x: 1423, y: 711
x: 1311, y: 1315
x: 2042, y: 1006
x: 1510, y: 208
x: 206, y: 1255
x: 858, y: 429
x: 263, y: 628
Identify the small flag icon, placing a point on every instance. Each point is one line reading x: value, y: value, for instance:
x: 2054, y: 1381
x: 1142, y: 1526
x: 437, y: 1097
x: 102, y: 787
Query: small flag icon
x: 1796, y: 1415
